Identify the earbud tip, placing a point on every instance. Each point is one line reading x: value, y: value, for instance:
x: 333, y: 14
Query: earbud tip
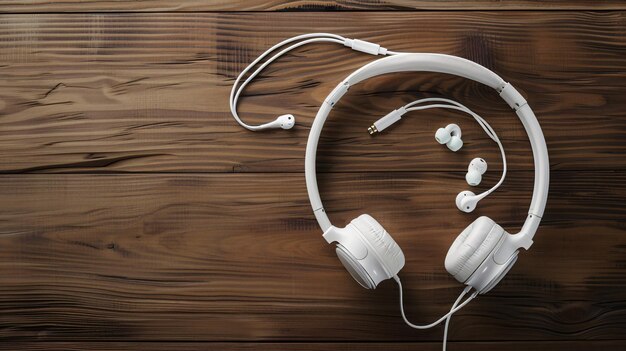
x: 466, y: 201
x: 455, y: 143
x: 479, y: 164
x: 473, y: 178
x: 442, y: 136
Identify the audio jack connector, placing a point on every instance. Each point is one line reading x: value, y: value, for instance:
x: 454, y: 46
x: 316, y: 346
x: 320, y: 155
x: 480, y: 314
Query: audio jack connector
x: 386, y: 121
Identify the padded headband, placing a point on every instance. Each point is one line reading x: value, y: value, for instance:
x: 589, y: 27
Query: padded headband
x: 451, y: 65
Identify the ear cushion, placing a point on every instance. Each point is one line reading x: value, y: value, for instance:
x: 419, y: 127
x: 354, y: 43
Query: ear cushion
x: 471, y: 247
x: 385, y: 248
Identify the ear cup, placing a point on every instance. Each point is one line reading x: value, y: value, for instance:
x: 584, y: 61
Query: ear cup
x: 353, y: 267
x: 386, y: 250
x: 471, y: 247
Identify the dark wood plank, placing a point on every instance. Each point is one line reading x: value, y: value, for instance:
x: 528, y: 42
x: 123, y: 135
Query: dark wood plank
x: 240, y: 258
x: 42, y: 6
x: 313, y: 346
x: 148, y: 93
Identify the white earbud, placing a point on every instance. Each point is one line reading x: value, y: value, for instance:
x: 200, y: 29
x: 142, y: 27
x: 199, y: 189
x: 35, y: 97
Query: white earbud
x: 451, y: 136
x: 466, y: 201
x: 475, y: 171
x: 284, y: 122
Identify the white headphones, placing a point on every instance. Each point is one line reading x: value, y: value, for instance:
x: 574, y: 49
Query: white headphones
x: 484, y: 252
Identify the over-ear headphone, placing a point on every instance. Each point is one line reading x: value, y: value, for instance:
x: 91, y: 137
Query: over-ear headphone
x: 484, y: 252
x: 367, y: 251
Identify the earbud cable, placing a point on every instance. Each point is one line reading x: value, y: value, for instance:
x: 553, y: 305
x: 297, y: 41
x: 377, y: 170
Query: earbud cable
x: 301, y: 40
x: 309, y: 38
x: 453, y: 105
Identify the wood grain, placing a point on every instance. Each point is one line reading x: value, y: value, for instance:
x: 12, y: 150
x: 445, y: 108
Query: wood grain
x: 239, y: 258
x: 147, y: 93
x: 312, y: 346
x: 42, y: 6
x: 186, y: 255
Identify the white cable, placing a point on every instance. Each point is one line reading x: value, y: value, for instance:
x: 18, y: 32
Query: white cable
x: 235, y: 96
x: 481, y: 121
x: 452, y: 311
x: 304, y: 39
x: 445, y: 327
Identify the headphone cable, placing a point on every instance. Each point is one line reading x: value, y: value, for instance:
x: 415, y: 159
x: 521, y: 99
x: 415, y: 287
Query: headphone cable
x: 445, y: 327
x: 455, y: 307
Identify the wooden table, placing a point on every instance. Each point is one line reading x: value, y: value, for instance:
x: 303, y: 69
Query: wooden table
x: 136, y: 214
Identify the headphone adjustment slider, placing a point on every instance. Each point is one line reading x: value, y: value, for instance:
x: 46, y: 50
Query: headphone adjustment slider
x: 337, y: 94
x: 512, y: 97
